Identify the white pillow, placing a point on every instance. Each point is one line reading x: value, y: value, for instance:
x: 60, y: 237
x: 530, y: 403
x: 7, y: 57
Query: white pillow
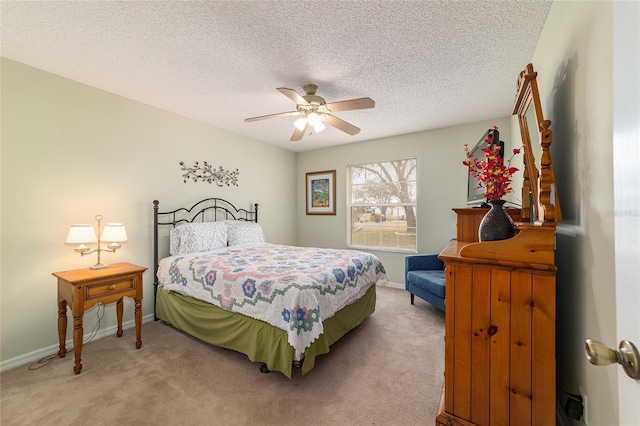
x: 242, y: 232
x: 196, y: 237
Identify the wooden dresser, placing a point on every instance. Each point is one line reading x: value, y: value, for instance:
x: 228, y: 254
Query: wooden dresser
x: 500, y: 327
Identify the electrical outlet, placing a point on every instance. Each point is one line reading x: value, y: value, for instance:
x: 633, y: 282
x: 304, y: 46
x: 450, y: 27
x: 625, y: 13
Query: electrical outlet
x: 585, y: 407
x: 573, y: 408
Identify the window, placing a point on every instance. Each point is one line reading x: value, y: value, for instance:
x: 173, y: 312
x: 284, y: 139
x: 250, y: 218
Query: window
x: 382, y: 204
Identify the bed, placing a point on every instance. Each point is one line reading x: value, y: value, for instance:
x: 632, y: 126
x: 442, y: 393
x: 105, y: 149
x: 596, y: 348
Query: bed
x: 218, y: 280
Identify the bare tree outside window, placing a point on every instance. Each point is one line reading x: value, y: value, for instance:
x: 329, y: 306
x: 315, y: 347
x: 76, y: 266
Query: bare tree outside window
x: 383, y: 205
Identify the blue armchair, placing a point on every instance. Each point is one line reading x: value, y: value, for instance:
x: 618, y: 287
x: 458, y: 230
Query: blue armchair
x: 424, y: 277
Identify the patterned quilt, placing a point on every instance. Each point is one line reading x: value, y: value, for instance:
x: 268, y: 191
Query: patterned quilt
x: 292, y: 288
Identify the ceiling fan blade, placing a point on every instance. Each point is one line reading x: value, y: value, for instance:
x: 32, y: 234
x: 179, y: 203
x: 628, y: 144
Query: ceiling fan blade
x: 293, y: 95
x: 360, y: 103
x: 298, y: 134
x: 280, y: 114
x: 339, y: 124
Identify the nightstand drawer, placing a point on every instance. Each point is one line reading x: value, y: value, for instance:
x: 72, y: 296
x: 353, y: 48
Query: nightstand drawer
x: 114, y: 287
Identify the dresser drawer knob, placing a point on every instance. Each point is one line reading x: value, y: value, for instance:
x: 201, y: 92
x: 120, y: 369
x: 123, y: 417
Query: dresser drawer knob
x: 112, y: 287
x: 492, y: 330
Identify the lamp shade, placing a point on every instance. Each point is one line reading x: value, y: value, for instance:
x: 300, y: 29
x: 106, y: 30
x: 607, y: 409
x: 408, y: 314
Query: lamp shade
x: 114, y: 233
x: 319, y: 126
x: 316, y: 120
x: 313, y: 118
x: 300, y: 123
x: 81, y: 234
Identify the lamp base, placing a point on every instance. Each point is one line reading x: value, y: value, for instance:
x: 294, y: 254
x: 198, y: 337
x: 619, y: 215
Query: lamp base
x: 98, y: 266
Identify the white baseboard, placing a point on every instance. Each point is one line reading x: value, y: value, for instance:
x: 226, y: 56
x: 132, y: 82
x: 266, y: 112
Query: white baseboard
x: 53, y: 349
x: 392, y: 285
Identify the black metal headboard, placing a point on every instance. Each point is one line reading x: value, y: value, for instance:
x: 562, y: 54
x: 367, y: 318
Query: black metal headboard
x: 207, y: 210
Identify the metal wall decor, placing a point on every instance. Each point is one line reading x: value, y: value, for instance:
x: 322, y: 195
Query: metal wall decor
x: 206, y: 173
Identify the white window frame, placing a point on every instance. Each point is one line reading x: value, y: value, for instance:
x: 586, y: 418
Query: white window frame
x: 351, y: 225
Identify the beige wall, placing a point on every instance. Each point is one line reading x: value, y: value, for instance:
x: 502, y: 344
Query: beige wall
x: 70, y: 152
x: 442, y: 185
x: 574, y: 63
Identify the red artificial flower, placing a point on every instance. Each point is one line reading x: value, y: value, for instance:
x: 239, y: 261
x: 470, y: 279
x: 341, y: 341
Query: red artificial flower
x: 491, y: 174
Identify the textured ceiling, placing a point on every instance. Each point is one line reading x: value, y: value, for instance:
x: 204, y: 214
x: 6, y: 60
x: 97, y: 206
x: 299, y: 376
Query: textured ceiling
x: 427, y: 64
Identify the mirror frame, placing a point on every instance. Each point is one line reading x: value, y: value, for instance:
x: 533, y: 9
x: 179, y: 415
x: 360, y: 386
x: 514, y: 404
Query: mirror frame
x: 539, y: 186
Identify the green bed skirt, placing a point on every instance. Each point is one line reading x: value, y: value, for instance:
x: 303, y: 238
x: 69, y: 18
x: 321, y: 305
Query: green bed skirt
x: 260, y: 341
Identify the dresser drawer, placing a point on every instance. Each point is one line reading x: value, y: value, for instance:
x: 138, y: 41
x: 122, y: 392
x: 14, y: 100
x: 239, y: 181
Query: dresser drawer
x: 113, y: 287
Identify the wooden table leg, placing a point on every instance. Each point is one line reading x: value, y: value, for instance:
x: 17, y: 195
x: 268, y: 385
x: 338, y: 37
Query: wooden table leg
x: 138, y: 318
x: 77, y: 342
x: 62, y: 327
x: 119, y: 310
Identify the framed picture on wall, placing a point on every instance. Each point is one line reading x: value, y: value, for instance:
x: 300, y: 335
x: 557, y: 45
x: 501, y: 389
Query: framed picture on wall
x: 321, y: 192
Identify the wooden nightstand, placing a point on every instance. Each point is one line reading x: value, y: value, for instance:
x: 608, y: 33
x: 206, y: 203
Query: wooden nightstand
x: 83, y: 288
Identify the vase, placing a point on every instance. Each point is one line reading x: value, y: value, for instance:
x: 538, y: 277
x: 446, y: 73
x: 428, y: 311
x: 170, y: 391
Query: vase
x: 496, y: 224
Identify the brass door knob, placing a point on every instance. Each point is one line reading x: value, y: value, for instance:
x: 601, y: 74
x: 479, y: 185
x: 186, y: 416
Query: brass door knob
x: 626, y: 355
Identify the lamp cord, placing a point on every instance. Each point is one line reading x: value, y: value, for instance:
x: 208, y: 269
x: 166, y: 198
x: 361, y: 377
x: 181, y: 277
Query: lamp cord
x: 99, y: 315
x: 50, y: 358
x: 573, y: 396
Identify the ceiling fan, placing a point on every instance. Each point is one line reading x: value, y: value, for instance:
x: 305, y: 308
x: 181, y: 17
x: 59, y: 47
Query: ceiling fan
x: 316, y: 112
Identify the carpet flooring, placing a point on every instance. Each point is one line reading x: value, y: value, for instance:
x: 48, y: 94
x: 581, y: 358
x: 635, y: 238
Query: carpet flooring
x: 387, y: 371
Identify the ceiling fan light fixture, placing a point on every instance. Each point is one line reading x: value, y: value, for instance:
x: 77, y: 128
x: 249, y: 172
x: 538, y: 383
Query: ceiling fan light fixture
x: 314, y: 119
x: 300, y: 123
x: 319, y: 127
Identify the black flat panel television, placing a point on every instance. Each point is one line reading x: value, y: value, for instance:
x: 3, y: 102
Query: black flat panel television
x: 475, y: 193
